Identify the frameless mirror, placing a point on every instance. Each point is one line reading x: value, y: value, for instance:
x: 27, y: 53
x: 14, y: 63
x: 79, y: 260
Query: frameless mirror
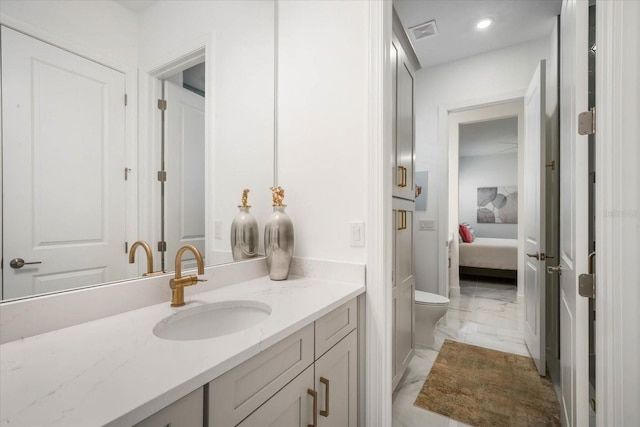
x: 93, y: 157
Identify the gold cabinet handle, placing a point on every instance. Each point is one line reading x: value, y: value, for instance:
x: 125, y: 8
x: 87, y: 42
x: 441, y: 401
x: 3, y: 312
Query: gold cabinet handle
x: 314, y: 394
x: 403, y: 176
x: 403, y: 220
x: 325, y: 413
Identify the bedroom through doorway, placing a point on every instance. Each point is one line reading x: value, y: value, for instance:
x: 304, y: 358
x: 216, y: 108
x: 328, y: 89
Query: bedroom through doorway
x: 488, y: 200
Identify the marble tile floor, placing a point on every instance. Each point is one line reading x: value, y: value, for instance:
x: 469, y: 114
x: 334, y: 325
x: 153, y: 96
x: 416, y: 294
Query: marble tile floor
x: 487, y: 314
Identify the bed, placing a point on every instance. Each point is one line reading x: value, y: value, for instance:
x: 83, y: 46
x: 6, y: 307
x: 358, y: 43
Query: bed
x: 487, y: 256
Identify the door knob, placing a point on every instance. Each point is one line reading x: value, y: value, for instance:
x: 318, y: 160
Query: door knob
x: 19, y: 263
x: 558, y: 269
x: 540, y: 256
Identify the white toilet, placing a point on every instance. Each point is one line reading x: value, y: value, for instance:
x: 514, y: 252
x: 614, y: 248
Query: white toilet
x: 429, y: 309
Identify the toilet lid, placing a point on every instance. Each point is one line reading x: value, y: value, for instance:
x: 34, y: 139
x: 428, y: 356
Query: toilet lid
x: 429, y: 298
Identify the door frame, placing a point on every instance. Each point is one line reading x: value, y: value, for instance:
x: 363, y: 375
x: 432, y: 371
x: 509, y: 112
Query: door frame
x: 150, y: 123
x: 468, y: 113
x: 617, y: 294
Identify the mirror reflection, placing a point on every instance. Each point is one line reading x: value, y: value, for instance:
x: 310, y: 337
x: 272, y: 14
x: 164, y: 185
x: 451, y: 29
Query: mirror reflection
x: 92, y: 162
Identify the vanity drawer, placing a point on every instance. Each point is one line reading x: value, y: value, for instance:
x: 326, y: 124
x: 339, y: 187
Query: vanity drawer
x: 186, y: 412
x: 334, y: 326
x: 237, y: 393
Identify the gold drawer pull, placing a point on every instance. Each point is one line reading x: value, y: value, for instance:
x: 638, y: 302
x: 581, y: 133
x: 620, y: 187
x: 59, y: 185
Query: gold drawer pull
x: 325, y: 413
x: 314, y: 394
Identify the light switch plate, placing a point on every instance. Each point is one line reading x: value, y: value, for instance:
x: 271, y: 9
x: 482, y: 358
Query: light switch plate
x: 218, y: 230
x: 356, y: 234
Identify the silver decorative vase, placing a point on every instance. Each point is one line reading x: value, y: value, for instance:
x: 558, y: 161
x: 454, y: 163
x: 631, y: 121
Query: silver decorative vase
x: 278, y: 243
x: 244, y: 235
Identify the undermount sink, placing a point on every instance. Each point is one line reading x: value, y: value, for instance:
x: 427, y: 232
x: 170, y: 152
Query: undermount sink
x: 212, y: 320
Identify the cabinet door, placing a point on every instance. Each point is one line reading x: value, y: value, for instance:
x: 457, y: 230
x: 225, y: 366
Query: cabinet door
x: 290, y: 407
x: 337, y: 383
x: 238, y: 392
x: 403, y: 128
x: 186, y: 412
x: 403, y: 288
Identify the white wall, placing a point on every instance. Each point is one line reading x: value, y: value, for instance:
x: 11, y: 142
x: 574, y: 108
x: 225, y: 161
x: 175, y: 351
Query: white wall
x: 322, y: 127
x: 485, y: 171
x: 466, y: 82
x: 102, y: 31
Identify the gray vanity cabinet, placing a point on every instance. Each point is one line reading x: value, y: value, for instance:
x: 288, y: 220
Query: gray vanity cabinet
x: 186, y: 412
x: 314, y: 367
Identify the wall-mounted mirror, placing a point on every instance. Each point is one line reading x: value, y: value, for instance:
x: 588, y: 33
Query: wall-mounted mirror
x: 92, y: 162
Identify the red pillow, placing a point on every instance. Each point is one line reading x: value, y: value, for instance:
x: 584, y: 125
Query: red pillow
x: 466, y: 234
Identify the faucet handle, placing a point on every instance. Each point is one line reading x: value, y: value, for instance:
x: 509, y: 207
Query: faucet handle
x: 201, y: 280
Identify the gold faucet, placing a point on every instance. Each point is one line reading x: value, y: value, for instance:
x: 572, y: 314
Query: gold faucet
x: 178, y: 283
x: 147, y: 249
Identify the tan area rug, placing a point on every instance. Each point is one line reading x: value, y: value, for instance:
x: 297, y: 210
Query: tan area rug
x: 483, y: 387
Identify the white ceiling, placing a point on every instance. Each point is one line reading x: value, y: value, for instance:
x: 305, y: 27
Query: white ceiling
x: 491, y: 137
x: 515, y: 21
x: 136, y: 5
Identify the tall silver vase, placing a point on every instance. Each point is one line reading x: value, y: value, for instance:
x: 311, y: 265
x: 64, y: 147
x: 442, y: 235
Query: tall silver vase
x: 244, y: 235
x: 278, y: 243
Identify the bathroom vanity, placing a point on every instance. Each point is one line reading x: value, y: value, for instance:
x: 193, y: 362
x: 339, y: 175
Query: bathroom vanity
x: 298, y: 366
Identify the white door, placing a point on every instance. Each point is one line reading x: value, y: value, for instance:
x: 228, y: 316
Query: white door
x: 534, y: 227
x: 574, y: 188
x: 184, y: 163
x: 63, y: 124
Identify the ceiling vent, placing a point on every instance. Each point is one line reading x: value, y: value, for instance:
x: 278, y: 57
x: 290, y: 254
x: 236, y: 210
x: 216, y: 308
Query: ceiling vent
x: 425, y: 30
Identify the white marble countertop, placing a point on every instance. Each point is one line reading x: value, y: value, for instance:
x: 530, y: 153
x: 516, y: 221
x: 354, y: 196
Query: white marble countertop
x: 115, y: 371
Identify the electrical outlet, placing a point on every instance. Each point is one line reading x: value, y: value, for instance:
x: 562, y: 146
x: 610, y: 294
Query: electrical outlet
x: 426, y: 224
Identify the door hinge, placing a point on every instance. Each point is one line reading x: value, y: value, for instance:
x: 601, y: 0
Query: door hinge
x: 126, y: 99
x: 162, y: 176
x: 587, y: 286
x: 587, y: 122
x: 587, y: 282
x: 162, y: 104
x: 126, y: 247
x: 162, y: 246
x: 127, y: 171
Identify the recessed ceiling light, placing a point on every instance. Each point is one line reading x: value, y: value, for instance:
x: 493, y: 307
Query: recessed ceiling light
x: 485, y: 23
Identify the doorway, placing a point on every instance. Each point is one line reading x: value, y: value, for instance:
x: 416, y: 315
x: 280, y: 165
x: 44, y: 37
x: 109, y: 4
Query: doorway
x: 466, y: 123
x: 182, y: 159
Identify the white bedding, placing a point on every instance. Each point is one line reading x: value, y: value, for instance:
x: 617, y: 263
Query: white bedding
x: 485, y: 252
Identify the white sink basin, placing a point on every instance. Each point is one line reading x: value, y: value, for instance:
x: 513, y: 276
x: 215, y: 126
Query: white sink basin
x: 212, y: 320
